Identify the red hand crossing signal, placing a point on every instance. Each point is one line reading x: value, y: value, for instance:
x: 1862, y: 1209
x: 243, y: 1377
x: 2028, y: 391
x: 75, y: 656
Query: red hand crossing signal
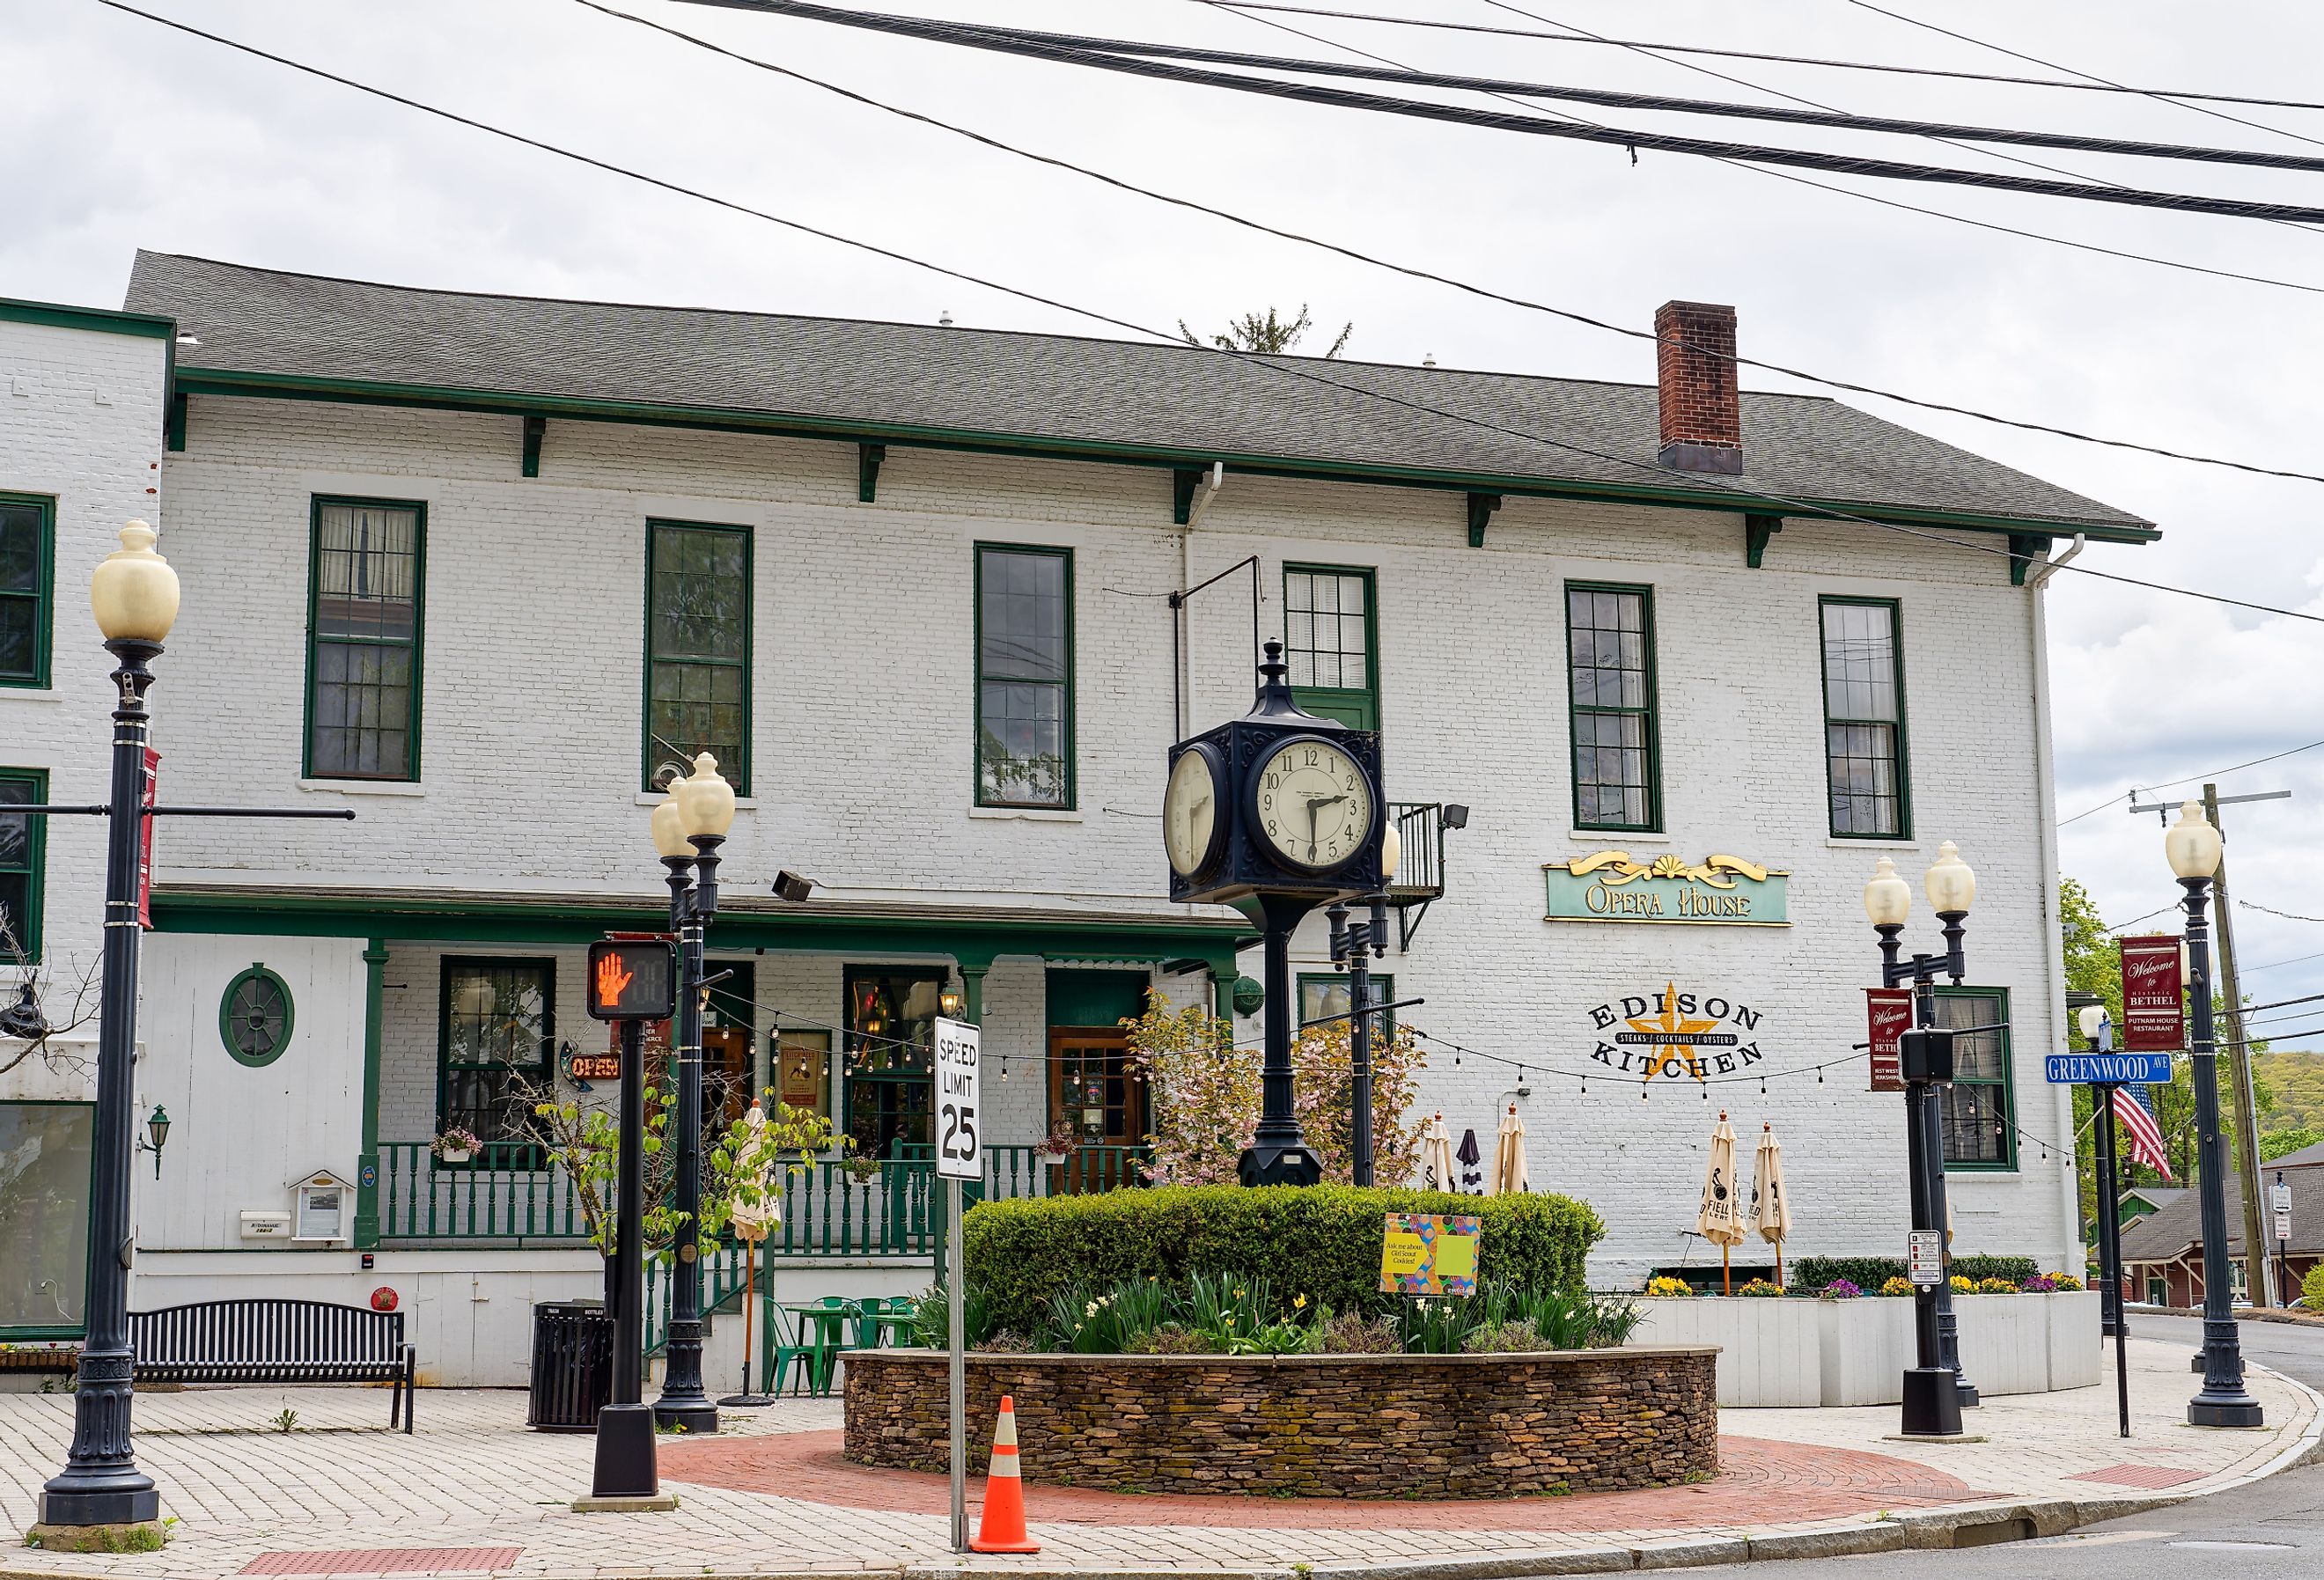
x: 631, y: 980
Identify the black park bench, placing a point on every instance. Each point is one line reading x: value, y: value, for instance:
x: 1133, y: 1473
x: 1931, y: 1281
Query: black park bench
x: 276, y: 1340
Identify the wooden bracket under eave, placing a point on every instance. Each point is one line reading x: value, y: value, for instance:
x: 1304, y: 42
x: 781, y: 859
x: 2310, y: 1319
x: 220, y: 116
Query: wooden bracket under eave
x: 2024, y: 549
x: 868, y: 458
x: 534, y: 428
x: 1481, y: 507
x: 173, y: 422
x: 1757, y: 530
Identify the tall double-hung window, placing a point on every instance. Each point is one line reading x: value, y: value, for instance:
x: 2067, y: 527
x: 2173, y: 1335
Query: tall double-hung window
x: 27, y: 574
x: 1024, y: 676
x: 1980, y: 1109
x: 1610, y: 636
x: 698, y: 648
x: 1864, y: 719
x: 22, y: 861
x: 366, y: 581
x: 497, y: 1030
x: 1330, y: 643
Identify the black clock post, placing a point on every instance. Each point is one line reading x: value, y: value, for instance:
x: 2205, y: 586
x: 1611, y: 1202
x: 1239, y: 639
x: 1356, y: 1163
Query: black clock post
x: 1233, y: 826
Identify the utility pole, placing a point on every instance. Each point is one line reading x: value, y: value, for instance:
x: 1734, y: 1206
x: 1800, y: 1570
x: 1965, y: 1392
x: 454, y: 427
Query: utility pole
x: 2260, y: 1287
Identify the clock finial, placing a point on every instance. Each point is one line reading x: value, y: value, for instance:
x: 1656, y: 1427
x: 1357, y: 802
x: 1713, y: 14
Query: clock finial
x: 1275, y: 698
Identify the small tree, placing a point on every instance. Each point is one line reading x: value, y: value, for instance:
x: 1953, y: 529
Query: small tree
x: 1205, y: 1094
x: 1269, y: 334
x: 23, y: 1008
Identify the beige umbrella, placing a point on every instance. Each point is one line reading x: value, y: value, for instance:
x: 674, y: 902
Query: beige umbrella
x: 1509, y: 1156
x: 1436, y: 1155
x: 1774, y: 1208
x: 1720, y: 1221
x: 753, y: 1221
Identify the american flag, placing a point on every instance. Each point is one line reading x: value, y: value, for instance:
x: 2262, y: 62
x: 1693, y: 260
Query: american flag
x: 2146, y: 1135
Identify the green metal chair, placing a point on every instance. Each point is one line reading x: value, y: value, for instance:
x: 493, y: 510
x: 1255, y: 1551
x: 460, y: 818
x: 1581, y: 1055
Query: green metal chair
x: 778, y: 1351
x: 829, y: 1340
x: 872, y: 1312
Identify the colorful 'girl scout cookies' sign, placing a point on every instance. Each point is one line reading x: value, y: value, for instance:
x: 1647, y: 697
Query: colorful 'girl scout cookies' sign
x: 1429, y: 1253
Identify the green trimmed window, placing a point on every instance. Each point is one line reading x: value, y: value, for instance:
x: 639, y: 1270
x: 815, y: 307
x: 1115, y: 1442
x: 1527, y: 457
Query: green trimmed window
x: 365, y: 579
x: 498, y: 1031
x: 1980, y: 1109
x: 1864, y: 719
x: 698, y: 648
x: 1610, y: 637
x: 28, y: 537
x: 1330, y: 643
x: 24, y: 847
x: 1325, y: 992
x: 1024, y: 676
x: 255, y: 1016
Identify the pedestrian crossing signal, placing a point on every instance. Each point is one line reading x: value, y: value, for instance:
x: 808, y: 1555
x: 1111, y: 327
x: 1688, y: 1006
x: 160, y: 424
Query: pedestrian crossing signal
x: 631, y: 980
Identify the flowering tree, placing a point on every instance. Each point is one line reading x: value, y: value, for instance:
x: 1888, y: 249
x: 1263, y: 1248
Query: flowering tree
x: 1206, y: 1095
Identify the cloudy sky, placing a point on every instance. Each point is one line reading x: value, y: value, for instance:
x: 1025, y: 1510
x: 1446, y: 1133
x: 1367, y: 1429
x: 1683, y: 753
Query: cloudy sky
x: 116, y: 134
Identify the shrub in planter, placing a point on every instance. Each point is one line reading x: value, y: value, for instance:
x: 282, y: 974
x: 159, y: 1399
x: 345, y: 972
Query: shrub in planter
x: 1810, y: 1273
x: 1322, y: 1241
x: 1995, y: 1287
x: 1761, y: 1289
x: 2311, y: 1289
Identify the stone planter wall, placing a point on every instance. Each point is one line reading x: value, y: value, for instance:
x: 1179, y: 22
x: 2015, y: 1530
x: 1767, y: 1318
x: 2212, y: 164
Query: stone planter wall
x: 1796, y: 1352
x: 1316, y: 1426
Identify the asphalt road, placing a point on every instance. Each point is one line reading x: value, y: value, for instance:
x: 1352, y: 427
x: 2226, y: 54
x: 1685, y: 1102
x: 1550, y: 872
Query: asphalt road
x: 2261, y: 1532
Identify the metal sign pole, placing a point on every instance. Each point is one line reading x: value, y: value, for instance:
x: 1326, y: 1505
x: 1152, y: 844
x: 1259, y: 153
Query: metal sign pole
x: 955, y: 1320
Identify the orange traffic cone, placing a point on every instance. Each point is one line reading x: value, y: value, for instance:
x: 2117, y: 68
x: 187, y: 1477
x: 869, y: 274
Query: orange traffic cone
x: 1000, y: 1528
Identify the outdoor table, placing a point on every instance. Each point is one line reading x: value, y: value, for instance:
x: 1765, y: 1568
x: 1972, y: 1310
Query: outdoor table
x: 830, y: 1325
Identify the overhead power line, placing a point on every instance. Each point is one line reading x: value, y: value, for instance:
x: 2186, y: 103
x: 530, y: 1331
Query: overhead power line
x: 2054, y: 66
x: 1416, y: 273
x: 1741, y: 497
x: 2094, y: 85
x: 1079, y: 49
x: 2192, y: 779
x: 1795, y: 179
x: 1625, y: 100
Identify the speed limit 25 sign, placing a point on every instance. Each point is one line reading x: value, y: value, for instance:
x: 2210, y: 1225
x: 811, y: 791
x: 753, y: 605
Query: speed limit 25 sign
x: 957, y: 1153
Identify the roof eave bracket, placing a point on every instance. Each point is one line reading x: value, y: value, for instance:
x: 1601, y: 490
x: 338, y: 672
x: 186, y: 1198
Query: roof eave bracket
x: 1481, y: 507
x: 2025, y: 549
x: 535, y: 430
x: 1757, y: 530
x: 868, y: 458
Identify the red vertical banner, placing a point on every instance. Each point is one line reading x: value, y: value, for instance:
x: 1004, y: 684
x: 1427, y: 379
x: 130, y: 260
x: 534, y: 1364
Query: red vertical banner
x: 1888, y: 1012
x: 2154, y: 995
x: 145, y: 841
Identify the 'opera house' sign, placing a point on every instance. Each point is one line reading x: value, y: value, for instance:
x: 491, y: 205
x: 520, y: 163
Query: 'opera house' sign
x: 1610, y: 886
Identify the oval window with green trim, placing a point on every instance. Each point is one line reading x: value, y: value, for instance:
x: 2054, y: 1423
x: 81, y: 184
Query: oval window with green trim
x: 255, y: 1017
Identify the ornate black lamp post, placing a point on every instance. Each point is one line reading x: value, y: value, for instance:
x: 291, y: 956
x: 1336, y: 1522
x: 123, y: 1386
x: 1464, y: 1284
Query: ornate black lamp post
x: 1935, y: 1391
x: 1353, y: 947
x: 688, y: 827
x: 2193, y: 848
x: 135, y: 595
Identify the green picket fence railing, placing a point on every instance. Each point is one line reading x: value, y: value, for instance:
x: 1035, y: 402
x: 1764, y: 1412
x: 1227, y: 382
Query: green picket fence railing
x: 1014, y: 1171
x: 509, y: 1190
x: 722, y: 1272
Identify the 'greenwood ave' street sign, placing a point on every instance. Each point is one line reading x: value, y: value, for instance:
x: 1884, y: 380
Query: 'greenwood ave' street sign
x: 2107, y: 1069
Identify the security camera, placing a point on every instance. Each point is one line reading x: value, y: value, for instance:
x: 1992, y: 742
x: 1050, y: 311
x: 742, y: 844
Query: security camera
x: 791, y: 886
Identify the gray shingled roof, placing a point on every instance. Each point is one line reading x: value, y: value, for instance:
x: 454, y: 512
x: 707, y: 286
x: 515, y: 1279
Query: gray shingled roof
x: 2175, y: 1227
x: 833, y: 372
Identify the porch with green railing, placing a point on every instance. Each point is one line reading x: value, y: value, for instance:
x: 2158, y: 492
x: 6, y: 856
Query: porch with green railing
x: 509, y: 1194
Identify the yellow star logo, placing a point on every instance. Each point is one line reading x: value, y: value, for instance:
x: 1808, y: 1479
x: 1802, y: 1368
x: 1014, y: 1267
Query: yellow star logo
x: 1670, y: 1023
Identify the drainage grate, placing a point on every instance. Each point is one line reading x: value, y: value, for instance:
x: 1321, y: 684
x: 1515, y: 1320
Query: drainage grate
x: 2154, y: 1477
x: 386, y: 1561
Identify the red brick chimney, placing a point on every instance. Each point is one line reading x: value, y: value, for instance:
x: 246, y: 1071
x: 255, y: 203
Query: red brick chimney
x: 1694, y: 379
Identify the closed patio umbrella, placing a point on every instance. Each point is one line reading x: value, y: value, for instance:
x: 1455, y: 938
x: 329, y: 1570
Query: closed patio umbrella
x: 1774, y: 1207
x: 1509, y: 1156
x: 753, y: 1221
x: 1436, y: 1155
x: 1720, y: 1221
x: 1472, y: 1178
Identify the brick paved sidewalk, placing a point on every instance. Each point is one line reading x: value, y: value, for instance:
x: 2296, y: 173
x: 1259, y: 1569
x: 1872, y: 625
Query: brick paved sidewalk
x: 475, y: 1493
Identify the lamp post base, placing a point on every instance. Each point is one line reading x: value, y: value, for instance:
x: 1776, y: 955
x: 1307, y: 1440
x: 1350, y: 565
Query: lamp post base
x: 1932, y: 1403
x: 1965, y: 1390
x: 1278, y: 1164
x: 2228, y: 1409
x: 625, y: 1453
x: 132, y: 1501
x: 695, y: 1420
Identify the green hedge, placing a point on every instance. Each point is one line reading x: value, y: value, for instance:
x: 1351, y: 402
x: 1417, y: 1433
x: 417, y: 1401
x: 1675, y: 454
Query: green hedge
x: 1867, y: 1273
x: 1323, y: 1241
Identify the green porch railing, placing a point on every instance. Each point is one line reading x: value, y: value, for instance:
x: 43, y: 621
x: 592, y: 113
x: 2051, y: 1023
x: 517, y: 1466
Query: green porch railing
x: 722, y: 1281
x: 510, y: 1193
x: 507, y: 1191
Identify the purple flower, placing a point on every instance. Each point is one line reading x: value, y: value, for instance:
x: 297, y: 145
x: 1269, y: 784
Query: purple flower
x: 1840, y: 1289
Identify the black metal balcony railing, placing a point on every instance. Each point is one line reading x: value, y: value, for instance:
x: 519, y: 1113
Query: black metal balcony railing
x: 1420, y: 874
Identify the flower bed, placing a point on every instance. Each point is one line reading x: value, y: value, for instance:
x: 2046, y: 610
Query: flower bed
x: 1844, y: 1350
x: 1437, y: 1425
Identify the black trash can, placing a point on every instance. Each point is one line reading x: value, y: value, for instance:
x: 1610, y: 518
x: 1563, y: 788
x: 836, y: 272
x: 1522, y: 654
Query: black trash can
x: 572, y: 1365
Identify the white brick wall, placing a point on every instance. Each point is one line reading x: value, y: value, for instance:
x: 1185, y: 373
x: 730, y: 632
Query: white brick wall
x: 80, y: 422
x: 863, y: 737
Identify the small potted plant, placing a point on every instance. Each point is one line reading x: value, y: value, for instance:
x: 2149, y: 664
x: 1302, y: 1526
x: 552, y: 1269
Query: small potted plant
x: 456, y: 1145
x: 1059, y: 1144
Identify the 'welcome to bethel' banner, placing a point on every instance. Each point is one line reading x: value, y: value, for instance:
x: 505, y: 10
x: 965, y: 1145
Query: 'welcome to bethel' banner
x: 2153, y: 996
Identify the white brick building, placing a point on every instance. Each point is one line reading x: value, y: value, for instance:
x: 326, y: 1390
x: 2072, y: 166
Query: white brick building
x: 441, y: 554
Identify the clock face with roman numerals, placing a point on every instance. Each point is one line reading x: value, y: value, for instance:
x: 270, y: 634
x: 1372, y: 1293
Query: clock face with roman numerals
x: 1312, y: 804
